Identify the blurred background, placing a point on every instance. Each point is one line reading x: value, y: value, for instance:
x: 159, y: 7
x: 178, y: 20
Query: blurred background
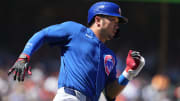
x: 153, y: 29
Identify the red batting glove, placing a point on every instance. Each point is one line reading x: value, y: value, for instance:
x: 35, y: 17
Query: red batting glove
x: 20, y: 68
x: 134, y: 64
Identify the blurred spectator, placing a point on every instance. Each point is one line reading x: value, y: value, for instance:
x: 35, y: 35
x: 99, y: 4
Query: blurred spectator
x: 50, y: 84
x: 133, y: 90
x: 157, y: 90
x: 17, y: 93
x: 177, y: 93
x: 3, y: 83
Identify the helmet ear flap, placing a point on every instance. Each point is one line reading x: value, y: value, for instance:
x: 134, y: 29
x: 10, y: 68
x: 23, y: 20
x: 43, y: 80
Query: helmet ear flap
x: 91, y: 22
x: 93, y: 19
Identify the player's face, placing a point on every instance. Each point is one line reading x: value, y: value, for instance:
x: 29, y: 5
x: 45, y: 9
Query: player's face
x: 109, y: 26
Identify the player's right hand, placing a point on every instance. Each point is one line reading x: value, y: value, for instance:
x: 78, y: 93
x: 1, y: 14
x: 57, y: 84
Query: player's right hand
x: 20, y: 68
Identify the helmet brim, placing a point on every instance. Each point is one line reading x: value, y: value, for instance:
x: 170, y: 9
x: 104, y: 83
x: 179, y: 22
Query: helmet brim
x: 123, y: 20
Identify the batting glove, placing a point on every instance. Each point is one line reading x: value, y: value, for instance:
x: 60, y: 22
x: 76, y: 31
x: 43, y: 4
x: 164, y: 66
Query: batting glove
x: 134, y: 64
x: 20, y: 68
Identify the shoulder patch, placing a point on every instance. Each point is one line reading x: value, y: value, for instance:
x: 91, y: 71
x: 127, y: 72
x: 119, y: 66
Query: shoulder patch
x: 109, y: 63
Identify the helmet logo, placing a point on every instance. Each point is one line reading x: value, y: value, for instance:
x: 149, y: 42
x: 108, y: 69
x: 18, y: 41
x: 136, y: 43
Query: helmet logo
x: 120, y: 11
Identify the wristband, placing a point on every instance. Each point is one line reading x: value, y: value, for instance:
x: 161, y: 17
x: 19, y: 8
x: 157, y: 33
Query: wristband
x: 123, y: 80
x: 24, y: 56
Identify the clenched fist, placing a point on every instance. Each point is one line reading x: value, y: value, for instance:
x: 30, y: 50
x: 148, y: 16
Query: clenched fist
x: 134, y: 64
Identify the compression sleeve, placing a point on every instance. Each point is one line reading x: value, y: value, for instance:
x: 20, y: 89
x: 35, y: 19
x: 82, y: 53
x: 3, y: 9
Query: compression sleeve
x: 52, y: 34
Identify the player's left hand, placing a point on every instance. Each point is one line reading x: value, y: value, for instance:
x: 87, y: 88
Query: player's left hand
x: 134, y: 64
x: 20, y: 68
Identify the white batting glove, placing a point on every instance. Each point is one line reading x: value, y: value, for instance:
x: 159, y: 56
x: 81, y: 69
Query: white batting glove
x: 134, y: 64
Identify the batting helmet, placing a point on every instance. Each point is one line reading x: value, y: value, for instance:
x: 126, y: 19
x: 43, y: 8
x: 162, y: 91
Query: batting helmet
x: 105, y: 8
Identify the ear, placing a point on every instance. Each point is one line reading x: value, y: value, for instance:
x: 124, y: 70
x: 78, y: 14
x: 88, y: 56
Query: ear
x: 97, y: 20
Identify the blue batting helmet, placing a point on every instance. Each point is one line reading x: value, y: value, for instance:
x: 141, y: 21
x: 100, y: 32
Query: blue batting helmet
x: 105, y: 8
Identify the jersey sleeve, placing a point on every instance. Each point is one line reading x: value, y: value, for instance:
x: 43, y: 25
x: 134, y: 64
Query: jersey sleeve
x: 53, y: 34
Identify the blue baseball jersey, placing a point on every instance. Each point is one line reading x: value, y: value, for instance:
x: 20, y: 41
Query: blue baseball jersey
x: 87, y: 65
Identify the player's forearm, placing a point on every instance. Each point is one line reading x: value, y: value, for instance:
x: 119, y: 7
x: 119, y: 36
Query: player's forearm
x: 113, y: 89
x: 134, y: 64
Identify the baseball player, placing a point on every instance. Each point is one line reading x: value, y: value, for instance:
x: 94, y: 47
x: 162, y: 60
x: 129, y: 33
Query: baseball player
x: 87, y: 65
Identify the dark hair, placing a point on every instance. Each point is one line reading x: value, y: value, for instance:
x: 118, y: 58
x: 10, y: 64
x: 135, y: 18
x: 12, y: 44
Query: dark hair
x: 93, y: 20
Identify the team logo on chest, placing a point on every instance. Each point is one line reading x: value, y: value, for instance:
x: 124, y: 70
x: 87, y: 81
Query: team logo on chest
x: 109, y: 63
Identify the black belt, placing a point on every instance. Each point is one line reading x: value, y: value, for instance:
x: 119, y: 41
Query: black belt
x: 72, y: 92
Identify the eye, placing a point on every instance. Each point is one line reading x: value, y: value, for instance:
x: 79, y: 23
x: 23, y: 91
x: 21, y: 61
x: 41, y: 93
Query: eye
x: 114, y: 19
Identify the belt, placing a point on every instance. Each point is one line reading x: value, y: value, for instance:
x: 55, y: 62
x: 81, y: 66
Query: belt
x: 69, y: 91
x: 73, y: 92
